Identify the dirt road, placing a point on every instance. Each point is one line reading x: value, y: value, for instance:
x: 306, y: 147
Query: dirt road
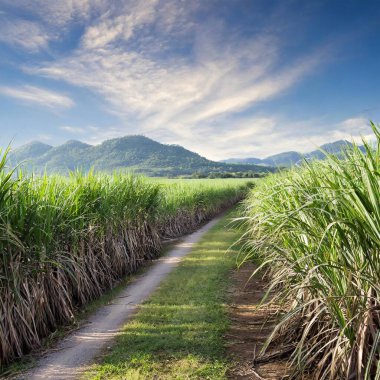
x: 76, y: 352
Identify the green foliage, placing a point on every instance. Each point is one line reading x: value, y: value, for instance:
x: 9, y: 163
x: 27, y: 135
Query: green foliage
x: 64, y: 240
x: 317, y: 229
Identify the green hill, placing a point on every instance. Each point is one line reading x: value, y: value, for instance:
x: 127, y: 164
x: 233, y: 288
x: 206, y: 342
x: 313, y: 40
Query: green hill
x: 29, y: 151
x: 132, y: 153
x: 70, y: 155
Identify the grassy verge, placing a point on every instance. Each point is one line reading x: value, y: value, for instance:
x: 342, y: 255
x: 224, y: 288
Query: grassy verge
x: 178, y: 332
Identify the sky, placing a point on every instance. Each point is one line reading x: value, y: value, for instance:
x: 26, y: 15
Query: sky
x: 223, y: 78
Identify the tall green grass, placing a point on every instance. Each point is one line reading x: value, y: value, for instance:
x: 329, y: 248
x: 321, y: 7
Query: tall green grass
x: 316, y: 229
x: 187, y: 203
x: 64, y: 241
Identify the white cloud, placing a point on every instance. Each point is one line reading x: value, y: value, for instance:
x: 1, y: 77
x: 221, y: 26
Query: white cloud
x: 264, y: 136
x: 261, y: 137
x: 37, y: 95
x: 131, y: 53
x: 176, y: 92
x: 355, y: 124
x: 58, y: 13
x: 179, y: 98
x: 43, y: 137
x: 355, y: 128
x: 47, y: 20
x: 25, y: 34
x: 121, y: 27
x: 73, y: 130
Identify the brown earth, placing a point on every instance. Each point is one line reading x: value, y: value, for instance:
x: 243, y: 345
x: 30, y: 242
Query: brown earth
x: 251, y: 324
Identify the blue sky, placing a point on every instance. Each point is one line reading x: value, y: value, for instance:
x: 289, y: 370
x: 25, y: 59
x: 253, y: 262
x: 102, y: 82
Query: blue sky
x: 224, y: 78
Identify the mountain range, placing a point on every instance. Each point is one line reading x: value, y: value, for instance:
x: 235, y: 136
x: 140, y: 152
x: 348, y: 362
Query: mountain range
x: 133, y: 153
x: 291, y: 158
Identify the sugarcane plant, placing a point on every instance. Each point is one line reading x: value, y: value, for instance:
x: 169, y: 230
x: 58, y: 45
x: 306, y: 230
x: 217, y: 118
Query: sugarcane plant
x: 316, y: 231
x: 65, y: 240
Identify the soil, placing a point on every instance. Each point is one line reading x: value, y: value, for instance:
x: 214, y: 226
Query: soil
x: 250, y: 326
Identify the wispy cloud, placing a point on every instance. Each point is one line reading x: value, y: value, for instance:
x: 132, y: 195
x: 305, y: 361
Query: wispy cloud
x: 119, y: 27
x: 37, y: 95
x: 58, y: 13
x: 43, y: 136
x: 261, y: 137
x: 160, y: 92
x: 175, y: 76
x: 47, y: 20
x: 73, y: 130
x: 21, y: 33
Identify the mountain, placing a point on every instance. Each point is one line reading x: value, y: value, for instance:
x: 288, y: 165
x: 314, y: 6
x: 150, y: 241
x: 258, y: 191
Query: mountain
x: 291, y: 158
x: 336, y: 147
x: 143, y: 154
x: 132, y: 153
x: 63, y: 157
x: 284, y: 159
x: 29, y: 151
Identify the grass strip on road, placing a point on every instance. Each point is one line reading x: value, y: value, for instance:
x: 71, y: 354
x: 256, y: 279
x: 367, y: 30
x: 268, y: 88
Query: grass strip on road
x: 178, y: 332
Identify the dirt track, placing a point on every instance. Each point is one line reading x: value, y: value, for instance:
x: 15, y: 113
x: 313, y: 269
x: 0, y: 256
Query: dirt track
x: 72, y: 355
x: 251, y: 325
